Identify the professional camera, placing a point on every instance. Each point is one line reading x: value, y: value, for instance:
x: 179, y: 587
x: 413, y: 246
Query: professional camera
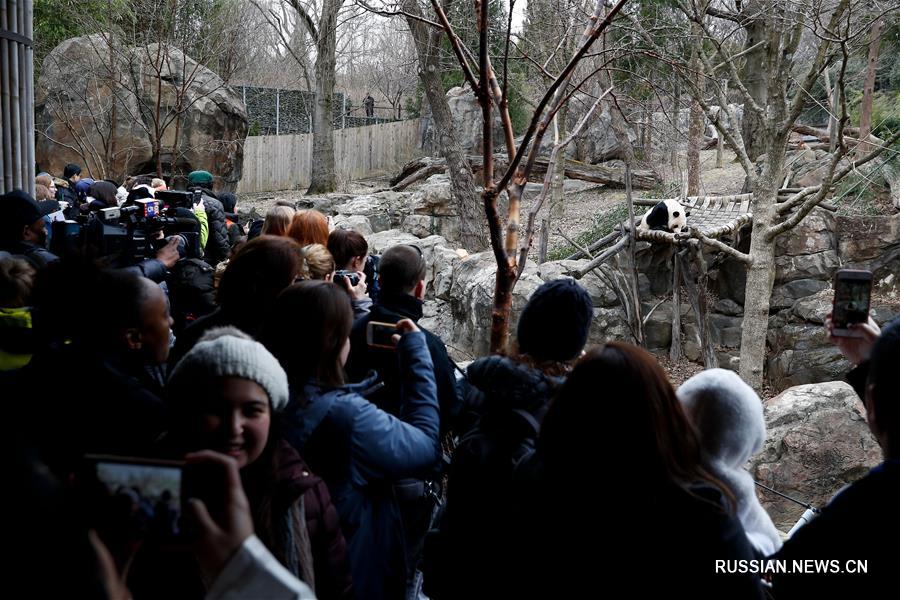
x: 131, y: 233
x: 339, y: 276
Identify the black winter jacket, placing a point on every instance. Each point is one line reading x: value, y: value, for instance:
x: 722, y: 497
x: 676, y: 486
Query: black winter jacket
x: 217, y: 246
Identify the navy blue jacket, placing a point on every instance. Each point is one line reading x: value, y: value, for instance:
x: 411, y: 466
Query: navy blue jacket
x: 360, y: 450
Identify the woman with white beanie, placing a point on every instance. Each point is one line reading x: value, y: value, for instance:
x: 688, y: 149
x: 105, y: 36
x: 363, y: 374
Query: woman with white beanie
x: 728, y: 416
x: 226, y: 395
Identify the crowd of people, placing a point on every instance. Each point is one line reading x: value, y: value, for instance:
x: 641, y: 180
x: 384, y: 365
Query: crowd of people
x: 337, y: 467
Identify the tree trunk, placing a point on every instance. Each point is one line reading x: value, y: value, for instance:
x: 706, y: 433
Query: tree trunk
x: 676, y: 133
x: 697, y: 121
x: 462, y: 184
x: 557, y: 183
x: 755, y: 77
x: 865, y: 109
x: 761, y: 273
x: 322, y: 175
x: 675, y: 353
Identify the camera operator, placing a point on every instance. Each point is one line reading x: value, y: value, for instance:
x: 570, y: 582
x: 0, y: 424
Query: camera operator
x: 23, y: 230
x: 217, y: 246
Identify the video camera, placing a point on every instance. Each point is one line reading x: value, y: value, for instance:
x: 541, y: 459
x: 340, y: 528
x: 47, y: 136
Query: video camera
x: 134, y: 232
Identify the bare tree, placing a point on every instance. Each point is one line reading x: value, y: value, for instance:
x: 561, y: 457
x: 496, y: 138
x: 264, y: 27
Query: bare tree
x: 510, y: 251
x: 865, y: 109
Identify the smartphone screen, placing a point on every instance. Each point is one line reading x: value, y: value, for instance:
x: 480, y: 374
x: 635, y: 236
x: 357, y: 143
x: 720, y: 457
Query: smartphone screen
x: 852, y: 292
x: 141, y: 497
x: 379, y: 335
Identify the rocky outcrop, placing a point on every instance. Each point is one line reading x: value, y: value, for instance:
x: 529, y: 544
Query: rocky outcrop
x: 872, y: 243
x: 107, y: 123
x: 799, y: 350
x: 466, y: 114
x: 818, y: 442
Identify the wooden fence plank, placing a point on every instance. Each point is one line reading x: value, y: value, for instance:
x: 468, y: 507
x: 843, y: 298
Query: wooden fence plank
x: 279, y: 162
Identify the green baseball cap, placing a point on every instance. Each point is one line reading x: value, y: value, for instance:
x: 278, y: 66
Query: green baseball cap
x: 200, y: 177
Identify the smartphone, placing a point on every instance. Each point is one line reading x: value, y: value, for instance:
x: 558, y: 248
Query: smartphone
x: 852, y: 296
x: 380, y: 335
x: 134, y: 498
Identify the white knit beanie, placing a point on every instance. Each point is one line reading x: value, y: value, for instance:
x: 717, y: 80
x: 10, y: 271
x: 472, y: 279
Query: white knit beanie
x: 229, y: 352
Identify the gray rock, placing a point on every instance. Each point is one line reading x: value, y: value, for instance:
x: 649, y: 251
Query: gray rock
x: 599, y: 142
x: 658, y: 327
x: 818, y: 441
x: 609, y: 324
x: 445, y: 260
x: 417, y: 225
x: 213, y: 127
x: 385, y: 210
x: 691, y: 342
x: 814, y: 308
x: 808, y: 266
x: 382, y: 240
x: 784, y: 296
x: 815, y: 233
x: 601, y: 293
x: 871, y: 243
x: 357, y: 223
x: 729, y: 307
x: 725, y: 330
x: 471, y: 300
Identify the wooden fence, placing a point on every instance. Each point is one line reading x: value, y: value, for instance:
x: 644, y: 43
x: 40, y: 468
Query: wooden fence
x: 281, y: 162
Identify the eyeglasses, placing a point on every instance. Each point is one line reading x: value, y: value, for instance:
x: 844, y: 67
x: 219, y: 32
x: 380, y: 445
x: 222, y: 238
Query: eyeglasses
x: 422, y: 263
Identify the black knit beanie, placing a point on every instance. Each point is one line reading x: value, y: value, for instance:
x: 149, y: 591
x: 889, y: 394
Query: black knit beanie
x: 554, y: 324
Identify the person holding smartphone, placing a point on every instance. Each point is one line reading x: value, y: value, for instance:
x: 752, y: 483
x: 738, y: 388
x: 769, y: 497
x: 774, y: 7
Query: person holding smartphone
x: 861, y: 523
x: 226, y: 394
x: 356, y: 447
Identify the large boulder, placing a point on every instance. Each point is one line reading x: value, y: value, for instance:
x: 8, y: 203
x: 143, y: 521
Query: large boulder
x: 466, y: 114
x: 83, y: 114
x: 602, y: 295
x: 818, y: 442
x: 784, y: 296
x: 799, y: 350
x: 815, y: 233
x: 599, y: 142
x: 472, y: 298
x: 820, y: 265
x: 871, y: 243
x: 384, y: 210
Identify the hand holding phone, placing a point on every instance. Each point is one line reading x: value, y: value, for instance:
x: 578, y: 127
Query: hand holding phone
x: 852, y: 296
x: 131, y: 499
x: 222, y: 519
x: 855, y: 349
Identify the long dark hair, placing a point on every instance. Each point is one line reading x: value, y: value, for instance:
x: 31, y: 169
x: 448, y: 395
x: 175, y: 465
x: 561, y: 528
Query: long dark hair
x: 306, y: 331
x: 257, y: 273
x: 618, y: 403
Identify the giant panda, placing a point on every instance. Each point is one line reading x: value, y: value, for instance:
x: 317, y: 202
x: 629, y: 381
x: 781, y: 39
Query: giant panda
x: 668, y: 215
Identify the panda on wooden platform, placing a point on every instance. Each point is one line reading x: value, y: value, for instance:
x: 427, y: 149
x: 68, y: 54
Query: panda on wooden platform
x: 668, y: 215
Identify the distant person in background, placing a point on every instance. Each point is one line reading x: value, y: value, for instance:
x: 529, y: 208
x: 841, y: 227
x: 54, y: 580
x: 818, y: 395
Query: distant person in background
x: 369, y: 104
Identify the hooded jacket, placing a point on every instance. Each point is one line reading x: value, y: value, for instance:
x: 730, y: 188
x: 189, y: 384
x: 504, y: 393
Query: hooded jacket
x: 728, y: 416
